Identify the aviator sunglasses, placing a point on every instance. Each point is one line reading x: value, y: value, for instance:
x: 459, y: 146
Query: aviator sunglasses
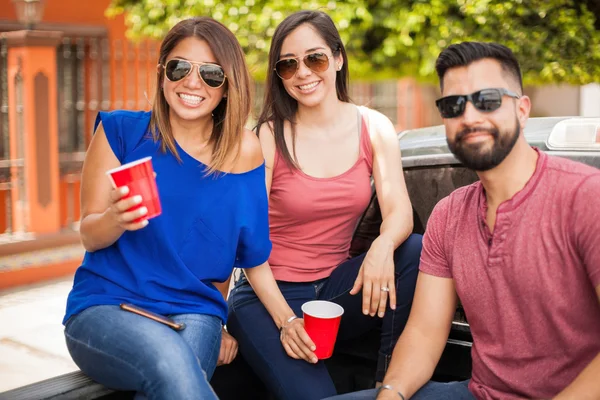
x: 212, y: 75
x: 486, y: 100
x: 316, y: 62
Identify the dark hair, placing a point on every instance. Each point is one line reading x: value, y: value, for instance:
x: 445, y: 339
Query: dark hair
x: 465, y: 53
x: 278, y: 105
x: 231, y: 114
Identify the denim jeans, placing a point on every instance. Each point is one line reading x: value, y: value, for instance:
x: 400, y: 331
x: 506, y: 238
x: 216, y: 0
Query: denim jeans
x: 125, y: 351
x: 258, y: 337
x: 431, y: 391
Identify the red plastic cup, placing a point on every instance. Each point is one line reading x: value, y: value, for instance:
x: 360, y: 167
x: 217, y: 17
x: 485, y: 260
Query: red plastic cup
x: 322, y: 321
x: 138, y: 176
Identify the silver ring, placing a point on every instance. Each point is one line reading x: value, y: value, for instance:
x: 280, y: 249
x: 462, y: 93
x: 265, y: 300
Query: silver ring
x: 385, y: 289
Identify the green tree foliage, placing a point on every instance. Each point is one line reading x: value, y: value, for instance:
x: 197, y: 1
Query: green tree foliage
x: 555, y: 40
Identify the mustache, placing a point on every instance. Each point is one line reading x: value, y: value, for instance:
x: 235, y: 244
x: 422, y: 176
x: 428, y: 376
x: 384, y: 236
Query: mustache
x: 492, y: 131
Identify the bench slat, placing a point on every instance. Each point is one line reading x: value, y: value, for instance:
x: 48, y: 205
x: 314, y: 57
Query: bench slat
x: 72, y: 386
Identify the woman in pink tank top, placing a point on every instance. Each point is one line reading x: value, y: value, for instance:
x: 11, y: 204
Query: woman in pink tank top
x: 321, y: 153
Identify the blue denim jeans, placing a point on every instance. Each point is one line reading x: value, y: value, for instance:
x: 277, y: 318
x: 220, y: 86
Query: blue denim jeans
x: 258, y: 337
x: 431, y: 391
x: 125, y: 351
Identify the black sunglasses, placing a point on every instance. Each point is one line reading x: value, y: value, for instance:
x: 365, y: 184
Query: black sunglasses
x: 212, y: 74
x: 485, y: 100
x: 287, y: 68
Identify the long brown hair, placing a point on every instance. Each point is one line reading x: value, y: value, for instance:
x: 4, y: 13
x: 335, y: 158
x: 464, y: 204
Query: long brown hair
x: 231, y: 114
x: 278, y: 105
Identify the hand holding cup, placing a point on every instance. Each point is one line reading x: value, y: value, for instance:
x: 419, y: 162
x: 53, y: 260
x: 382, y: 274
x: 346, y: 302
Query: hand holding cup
x: 135, y: 195
x: 125, y: 210
x: 296, y: 342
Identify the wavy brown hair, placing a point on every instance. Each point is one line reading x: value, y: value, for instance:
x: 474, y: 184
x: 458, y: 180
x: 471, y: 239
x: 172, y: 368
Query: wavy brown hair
x: 278, y: 105
x: 231, y: 114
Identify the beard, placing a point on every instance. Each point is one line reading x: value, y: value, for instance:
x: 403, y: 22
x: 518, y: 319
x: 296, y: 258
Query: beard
x: 475, y: 156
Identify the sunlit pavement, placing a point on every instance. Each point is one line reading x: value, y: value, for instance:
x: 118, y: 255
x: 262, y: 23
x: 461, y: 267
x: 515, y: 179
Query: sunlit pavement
x: 32, y: 344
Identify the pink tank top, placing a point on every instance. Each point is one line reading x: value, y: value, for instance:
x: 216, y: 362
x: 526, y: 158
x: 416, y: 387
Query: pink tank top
x: 312, y: 220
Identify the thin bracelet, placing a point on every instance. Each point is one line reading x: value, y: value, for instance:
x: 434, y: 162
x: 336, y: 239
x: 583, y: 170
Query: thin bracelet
x: 290, y: 319
x: 389, y: 387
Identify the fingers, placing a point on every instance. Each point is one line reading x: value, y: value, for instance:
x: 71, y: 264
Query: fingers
x: 306, y: 340
x: 358, y: 283
x: 289, y: 351
x: 367, y: 289
x: 297, y: 343
x: 229, y: 349
x: 127, y: 218
x: 130, y: 202
x: 382, y: 301
x: 300, y: 353
x: 392, y: 294
x: 232, y: 353
x: 118, y: 193
x: 135, y: 225
x: 222, y: 355
x: 375, y: 296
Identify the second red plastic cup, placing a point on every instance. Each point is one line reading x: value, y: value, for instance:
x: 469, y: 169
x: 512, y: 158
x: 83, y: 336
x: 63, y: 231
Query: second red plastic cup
x: 322, y: 321
x: 138, y: 176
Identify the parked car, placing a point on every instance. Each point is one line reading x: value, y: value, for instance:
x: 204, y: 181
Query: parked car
x: 431, y: 173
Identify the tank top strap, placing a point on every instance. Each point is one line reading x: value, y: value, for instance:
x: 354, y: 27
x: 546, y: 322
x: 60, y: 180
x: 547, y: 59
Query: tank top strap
x: 366, y: 148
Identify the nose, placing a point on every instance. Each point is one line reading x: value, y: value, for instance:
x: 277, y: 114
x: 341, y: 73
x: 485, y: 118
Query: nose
x: 193, y: 79
x: 303, y: 71
x: 471, y: 116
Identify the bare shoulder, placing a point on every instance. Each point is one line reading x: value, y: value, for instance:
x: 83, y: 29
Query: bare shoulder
x: 251, y: 155
x: 266, y: 136
x: 380, y: 125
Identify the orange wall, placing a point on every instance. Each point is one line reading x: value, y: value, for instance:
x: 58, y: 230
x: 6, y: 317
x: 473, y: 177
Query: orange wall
x: 77, y: 12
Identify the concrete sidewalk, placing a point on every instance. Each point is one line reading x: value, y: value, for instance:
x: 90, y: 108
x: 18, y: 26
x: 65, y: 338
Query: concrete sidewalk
x: 32, y: 344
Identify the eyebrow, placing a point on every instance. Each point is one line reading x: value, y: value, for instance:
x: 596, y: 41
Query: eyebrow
x: 307, y: 51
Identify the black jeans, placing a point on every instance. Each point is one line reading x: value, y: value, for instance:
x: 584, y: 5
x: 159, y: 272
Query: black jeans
x: 258, y: 337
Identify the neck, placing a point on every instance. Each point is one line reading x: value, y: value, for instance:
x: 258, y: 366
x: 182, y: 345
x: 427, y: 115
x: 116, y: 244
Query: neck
x: 321, y: 115
x: 197, y: 131
x: 507, y: 179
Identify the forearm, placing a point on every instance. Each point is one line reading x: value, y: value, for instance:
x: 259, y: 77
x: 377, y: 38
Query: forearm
x: 413, y: 361
x: 263, y: 282
x: 396, y: 227
x: 586, y: 385
x: 223, y: 287
x: 99, y: 231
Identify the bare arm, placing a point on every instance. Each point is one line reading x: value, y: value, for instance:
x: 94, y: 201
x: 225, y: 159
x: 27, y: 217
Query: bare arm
x: 267, y: 143
x: 423, y: 340
x: 392, y: 193
x: 103, y: 214
x: 261, y: 278
x: 294, y: 339
x: 377, y: 270
x: 223, y: 287
x: 586, y: 385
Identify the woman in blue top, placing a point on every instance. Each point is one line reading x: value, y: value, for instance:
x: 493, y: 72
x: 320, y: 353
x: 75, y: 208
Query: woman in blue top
x: 211, y: 183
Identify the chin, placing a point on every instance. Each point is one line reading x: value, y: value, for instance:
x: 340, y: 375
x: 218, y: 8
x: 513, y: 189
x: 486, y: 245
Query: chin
x: 310, y: 101
x: 190, y: 116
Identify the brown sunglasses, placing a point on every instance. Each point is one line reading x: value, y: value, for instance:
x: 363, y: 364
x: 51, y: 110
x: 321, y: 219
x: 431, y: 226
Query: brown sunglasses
x: 316, y: 62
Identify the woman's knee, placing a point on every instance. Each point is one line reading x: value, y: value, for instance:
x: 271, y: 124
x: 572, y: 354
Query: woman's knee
x: 203, y: 334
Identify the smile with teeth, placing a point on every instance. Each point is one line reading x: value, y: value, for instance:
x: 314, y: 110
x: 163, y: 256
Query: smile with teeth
x: 308, y: 86
x: 190, y: 99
